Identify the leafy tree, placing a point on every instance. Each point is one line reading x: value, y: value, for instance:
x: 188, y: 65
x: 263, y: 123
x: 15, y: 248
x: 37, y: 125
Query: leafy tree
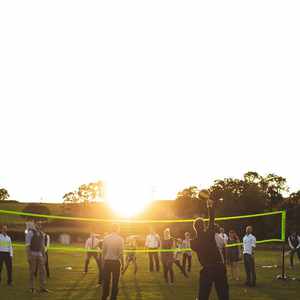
x: 292, y: 206
x: 189, y: 203
x: 71, y: 197
x: 4, y: 195
x: 86, y: 193
x: 274, y: 187
x: 90, y: 192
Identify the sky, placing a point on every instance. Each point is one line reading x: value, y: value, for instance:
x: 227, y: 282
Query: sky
x: 148, y: 96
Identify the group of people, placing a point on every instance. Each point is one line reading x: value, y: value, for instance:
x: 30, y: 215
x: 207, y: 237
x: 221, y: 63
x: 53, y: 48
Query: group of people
x: 212, y: 246
x: 37, y: 244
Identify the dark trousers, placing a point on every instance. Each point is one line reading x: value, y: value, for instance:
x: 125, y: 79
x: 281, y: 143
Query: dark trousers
x: 98, y: 260
x: 293, y: 251
x: 111, y: 272
x: 7, y: 260
x: 46, y: 266
x: 153, y: 257
x: 214, y: 274
x: 187, y: 261
x: 168, y: 271
x: 250, y: 269
x: 180, y: 267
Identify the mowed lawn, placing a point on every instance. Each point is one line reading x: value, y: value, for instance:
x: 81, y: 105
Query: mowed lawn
x: 66, y: 283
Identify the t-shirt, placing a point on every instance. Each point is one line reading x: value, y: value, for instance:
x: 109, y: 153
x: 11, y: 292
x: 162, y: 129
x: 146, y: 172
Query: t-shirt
x: 5, y: 244
x: 249, y: 243
x: 152, y: 241
x: 113, y: 246
x: 294, y: 241
x: 186, y: 244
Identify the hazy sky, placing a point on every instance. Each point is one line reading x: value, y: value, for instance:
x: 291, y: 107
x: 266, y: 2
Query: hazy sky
x: 159, y: 94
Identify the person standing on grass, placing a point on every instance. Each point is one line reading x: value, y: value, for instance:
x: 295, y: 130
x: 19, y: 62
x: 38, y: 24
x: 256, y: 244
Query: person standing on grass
x: 224, y: 237
x: 167, y: 256
x: 294, y: 244
x: 113, y: 262
x: 153, y: 243
x: 233, y: 254
x: 6, y: 254
x: 92, y: 250
x: 177, y: 257
x: 187, y: 255
x: 213, y: 267
x: 131, y: 256
x: 47, y: 245
x: 35, y: 249
x: 249, y: 244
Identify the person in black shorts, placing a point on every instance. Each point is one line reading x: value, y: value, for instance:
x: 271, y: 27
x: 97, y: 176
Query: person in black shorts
x: 233, y: 254
x: 212, y: 261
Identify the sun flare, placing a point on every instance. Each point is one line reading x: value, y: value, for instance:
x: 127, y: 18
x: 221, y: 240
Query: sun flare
x: 127, y: 199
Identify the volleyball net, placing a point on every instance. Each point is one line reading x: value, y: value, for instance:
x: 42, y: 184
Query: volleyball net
x: 269, y: 227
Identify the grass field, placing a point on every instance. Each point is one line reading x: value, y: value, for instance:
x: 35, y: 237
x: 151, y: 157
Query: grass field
x: 72, y: 284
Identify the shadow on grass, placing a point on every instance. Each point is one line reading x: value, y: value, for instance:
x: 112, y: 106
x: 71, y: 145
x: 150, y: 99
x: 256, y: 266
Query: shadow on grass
x: 138, y: 295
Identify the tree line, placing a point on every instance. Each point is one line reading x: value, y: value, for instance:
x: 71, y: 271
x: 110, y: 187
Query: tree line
x: 252, y: 194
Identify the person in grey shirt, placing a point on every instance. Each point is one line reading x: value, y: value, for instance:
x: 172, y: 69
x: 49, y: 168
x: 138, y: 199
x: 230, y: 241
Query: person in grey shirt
x: 35, y: 248
x: 113, y: 262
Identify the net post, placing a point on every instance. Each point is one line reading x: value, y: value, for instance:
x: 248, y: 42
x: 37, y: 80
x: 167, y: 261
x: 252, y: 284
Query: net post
x: 283, y: 275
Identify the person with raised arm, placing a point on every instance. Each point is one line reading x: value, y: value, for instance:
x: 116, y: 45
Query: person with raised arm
x: 209, y: 255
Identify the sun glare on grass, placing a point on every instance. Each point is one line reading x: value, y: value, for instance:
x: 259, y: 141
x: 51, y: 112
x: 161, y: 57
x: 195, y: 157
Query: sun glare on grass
x: 128, y: 199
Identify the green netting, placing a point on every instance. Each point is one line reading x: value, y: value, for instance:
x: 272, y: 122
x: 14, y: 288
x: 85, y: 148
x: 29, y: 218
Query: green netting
x: 134, y: 221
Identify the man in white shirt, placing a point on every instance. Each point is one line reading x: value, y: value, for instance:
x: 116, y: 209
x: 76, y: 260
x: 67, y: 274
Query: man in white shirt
x: 153, y: 243
x: 113, y: 262
x: 294, y: 244
x: 6, y: 254
x: 249, y: 243
x: 92, y: 245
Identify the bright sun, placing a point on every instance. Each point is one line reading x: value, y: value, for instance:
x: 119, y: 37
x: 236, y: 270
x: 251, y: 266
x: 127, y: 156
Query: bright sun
x: 127, y: 198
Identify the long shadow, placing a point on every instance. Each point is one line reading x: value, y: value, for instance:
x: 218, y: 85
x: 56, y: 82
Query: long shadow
x: 89, y: 287
x: 138, y: 295
x: 162, y: 288
x: 124, y: 289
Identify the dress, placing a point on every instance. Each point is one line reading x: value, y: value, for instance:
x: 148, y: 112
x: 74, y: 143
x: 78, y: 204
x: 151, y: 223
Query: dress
x: 167, y: 257
x: 232, y: 252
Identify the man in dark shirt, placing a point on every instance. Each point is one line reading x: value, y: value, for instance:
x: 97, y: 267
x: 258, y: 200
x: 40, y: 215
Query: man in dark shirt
x: 210, y: 257
x: 294, y: 244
